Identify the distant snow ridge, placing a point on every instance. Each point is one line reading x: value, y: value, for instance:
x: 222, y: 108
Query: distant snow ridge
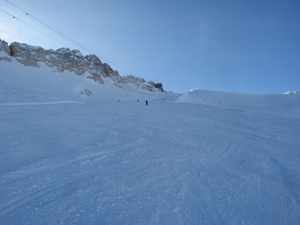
x: 288, y: 103
x: 65, y: 59
x: 291, y: 93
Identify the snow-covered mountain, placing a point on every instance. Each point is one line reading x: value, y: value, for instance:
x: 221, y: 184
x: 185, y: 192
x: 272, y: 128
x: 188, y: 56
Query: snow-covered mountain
x: 65, y: 59
x: 286, y: 103
x: 71, y: 153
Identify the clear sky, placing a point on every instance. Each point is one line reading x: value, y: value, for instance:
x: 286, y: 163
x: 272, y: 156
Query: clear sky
x: 230, y: 45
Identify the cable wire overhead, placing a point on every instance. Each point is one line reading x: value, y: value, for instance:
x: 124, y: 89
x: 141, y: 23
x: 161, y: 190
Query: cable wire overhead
x: 58, y: 32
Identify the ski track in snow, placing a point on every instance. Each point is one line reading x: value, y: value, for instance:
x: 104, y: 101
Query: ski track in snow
x: 166, y: 163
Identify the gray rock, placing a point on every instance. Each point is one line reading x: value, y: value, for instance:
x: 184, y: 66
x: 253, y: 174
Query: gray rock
x: 65, y: 59
x: 159, y: 86
x: 4, y: 47
x: 26, y: 54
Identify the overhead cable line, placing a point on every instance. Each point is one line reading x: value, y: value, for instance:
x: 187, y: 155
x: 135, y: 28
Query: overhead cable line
x: 63, y: 35
x: 14, y: 17
x: 48, y: 26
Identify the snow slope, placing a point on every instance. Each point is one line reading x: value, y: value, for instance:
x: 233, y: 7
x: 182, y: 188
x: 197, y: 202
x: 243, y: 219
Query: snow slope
x: 286, y: 103
x: 44, y: 83
x: 66, y: 158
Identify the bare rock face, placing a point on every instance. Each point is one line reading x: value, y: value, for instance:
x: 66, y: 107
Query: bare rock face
x: 159, y: 86
x: 65, y: 59
x: 4, y: 48
x: 27, y: 55
x: 138, y: 82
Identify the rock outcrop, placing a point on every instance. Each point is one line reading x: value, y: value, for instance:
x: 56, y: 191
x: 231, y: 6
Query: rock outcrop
x: 65, y: 59
x: 159, y: 86
x: 4, y: 48
x: 138, y: 82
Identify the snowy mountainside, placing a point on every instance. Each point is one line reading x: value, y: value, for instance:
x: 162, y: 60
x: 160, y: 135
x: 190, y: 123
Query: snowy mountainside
x: 128, y: 163
x: 286, y: 103
x: 70, y: 153
x: 67, y: 60
x: 36, y: 84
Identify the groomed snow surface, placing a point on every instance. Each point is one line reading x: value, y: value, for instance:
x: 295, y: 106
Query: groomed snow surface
x: 203, y: 157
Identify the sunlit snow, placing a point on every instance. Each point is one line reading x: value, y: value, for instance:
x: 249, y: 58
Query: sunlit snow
x: 203, y: 157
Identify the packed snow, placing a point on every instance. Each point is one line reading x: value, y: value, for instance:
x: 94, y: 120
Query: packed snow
x: 203, y: 157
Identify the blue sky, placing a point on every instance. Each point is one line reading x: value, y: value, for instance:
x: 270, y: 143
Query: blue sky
x: 239, y: 46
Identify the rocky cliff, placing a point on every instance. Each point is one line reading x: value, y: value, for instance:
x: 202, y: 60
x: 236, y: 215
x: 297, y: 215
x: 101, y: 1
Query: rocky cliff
x: 65, y: 59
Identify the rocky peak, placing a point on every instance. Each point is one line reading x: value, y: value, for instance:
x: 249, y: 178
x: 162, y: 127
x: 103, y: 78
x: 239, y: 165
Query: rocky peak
x: 65, y: 59
x: 4, y: 47
x: 159, y: 86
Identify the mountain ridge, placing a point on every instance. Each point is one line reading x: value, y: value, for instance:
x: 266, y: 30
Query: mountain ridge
x: 65, y: 59
x: 67, y: 75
